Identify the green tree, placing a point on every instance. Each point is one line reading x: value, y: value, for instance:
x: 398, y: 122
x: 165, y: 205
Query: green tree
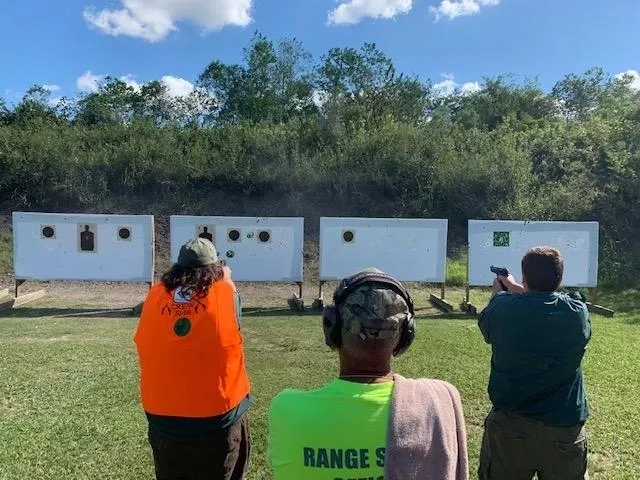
x: 115, y: 102
x: 34, y: 107
x: 361, y: 88
x: 580, y: 95
x: 273, y: 86
x: 6, y: 115
x: 500, y: 102
x: 154, y: 103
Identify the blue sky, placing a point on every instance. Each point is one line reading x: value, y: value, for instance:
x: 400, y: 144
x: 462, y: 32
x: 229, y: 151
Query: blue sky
x: 453, y: 41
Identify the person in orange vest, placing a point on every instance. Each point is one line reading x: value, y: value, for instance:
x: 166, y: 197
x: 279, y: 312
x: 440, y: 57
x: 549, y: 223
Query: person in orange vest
x: 194, y: 386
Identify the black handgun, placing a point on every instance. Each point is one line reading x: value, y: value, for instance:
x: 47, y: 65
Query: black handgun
x: 501, y: 272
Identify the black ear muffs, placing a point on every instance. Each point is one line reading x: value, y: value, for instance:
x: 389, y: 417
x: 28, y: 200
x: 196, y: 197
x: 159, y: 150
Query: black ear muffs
x: 332, y: 336
x: 407, y: 336
x: 332, y: 323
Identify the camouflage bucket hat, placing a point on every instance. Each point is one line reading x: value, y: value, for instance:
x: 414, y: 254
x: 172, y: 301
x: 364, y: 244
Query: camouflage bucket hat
x: 373, y: 311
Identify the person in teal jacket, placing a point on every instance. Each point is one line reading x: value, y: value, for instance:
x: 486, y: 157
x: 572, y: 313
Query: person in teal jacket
x: 538, y: 338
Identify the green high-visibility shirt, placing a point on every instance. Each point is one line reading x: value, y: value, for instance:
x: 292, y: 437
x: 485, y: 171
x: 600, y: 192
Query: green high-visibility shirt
x: 336, y: 432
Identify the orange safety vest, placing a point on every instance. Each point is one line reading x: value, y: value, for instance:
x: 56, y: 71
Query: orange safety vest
x: 191, y: 353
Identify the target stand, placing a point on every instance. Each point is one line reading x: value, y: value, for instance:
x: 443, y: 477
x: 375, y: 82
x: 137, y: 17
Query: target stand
x: 440, y: 302
x: 256, y: 249
x: 7, y: 301
x: 599, y: 309
x: 296, y: 302
x: 503, y: 243
x: 80, y: 248
x: 412, y: 250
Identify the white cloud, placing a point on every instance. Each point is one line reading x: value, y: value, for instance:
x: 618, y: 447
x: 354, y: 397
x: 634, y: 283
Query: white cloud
x: 51, y: 88
x: 470, y: 87
x: 458, y: 8
x: 319, y: 98
x: 352, y: 11
x: 53, y: 102
x: 131, y: 81
x: 88, y: 82
x: 445, y: 88
x: 177, y: 87
x: 449, y: 86
x: 633, y: 76
x: 153, y: 20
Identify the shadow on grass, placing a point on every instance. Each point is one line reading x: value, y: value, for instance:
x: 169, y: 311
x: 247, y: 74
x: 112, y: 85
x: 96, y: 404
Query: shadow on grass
x: 277, y: 312
x: 421, y: 314
x: 28, y: 312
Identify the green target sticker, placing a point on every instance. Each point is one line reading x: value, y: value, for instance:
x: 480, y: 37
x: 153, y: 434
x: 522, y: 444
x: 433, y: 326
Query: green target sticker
x: 501, y: 239
x: 182, y: 327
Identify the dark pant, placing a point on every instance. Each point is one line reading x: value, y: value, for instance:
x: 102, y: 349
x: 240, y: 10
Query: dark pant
x: 516, y: 448
x: 223, y: 456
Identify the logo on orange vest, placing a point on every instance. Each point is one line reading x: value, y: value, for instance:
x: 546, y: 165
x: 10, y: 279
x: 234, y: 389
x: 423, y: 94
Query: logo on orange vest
x: 181, y: 296
x: 182, y: 326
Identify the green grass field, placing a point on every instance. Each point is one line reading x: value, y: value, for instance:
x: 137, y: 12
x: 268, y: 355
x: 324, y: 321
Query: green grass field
x: 5, y: 251
x: 69, y: 403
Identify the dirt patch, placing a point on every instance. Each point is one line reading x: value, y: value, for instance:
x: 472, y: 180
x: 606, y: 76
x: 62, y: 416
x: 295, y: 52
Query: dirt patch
x: 113, y: 296
x: 116, y: 301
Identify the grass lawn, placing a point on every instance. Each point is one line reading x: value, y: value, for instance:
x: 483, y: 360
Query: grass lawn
x: 69, y: 403
x: 6, y: 252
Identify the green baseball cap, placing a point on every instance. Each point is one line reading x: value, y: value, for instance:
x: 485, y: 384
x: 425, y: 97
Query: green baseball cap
x: 198, y: 252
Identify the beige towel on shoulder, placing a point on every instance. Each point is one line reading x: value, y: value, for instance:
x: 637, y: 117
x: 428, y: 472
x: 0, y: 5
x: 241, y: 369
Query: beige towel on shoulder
x: 427, y: 437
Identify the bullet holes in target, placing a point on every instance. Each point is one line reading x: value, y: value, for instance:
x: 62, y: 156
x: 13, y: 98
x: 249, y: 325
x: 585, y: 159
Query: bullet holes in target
x: 348, y: 236
x: 124, y: 234
x: 48, y: 232
x: 264, y: 236
x: 233, y: 234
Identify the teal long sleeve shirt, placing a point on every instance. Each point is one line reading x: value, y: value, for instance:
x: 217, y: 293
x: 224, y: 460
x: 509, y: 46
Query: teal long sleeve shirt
x: 538, y: 341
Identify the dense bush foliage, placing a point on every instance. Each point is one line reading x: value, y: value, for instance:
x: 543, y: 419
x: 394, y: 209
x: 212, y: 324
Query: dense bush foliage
x: 280, y: 135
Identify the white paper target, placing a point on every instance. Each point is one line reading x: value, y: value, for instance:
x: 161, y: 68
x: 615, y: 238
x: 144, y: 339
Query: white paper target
x: 409, y: 249
x: 504, y: 243
x: 257, y: 249
x: 61, y: 246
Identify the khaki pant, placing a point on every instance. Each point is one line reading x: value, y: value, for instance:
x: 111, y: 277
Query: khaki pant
x: 516, y: 448
x: 223, y: 456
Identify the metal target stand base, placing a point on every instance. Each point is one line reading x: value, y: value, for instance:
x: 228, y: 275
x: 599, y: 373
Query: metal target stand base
x: 595, y: 308
x: 16, y: 300
x: 440, y: 302
x: 296, y: 302
x: 467, y: 307
x: 318, y: 303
